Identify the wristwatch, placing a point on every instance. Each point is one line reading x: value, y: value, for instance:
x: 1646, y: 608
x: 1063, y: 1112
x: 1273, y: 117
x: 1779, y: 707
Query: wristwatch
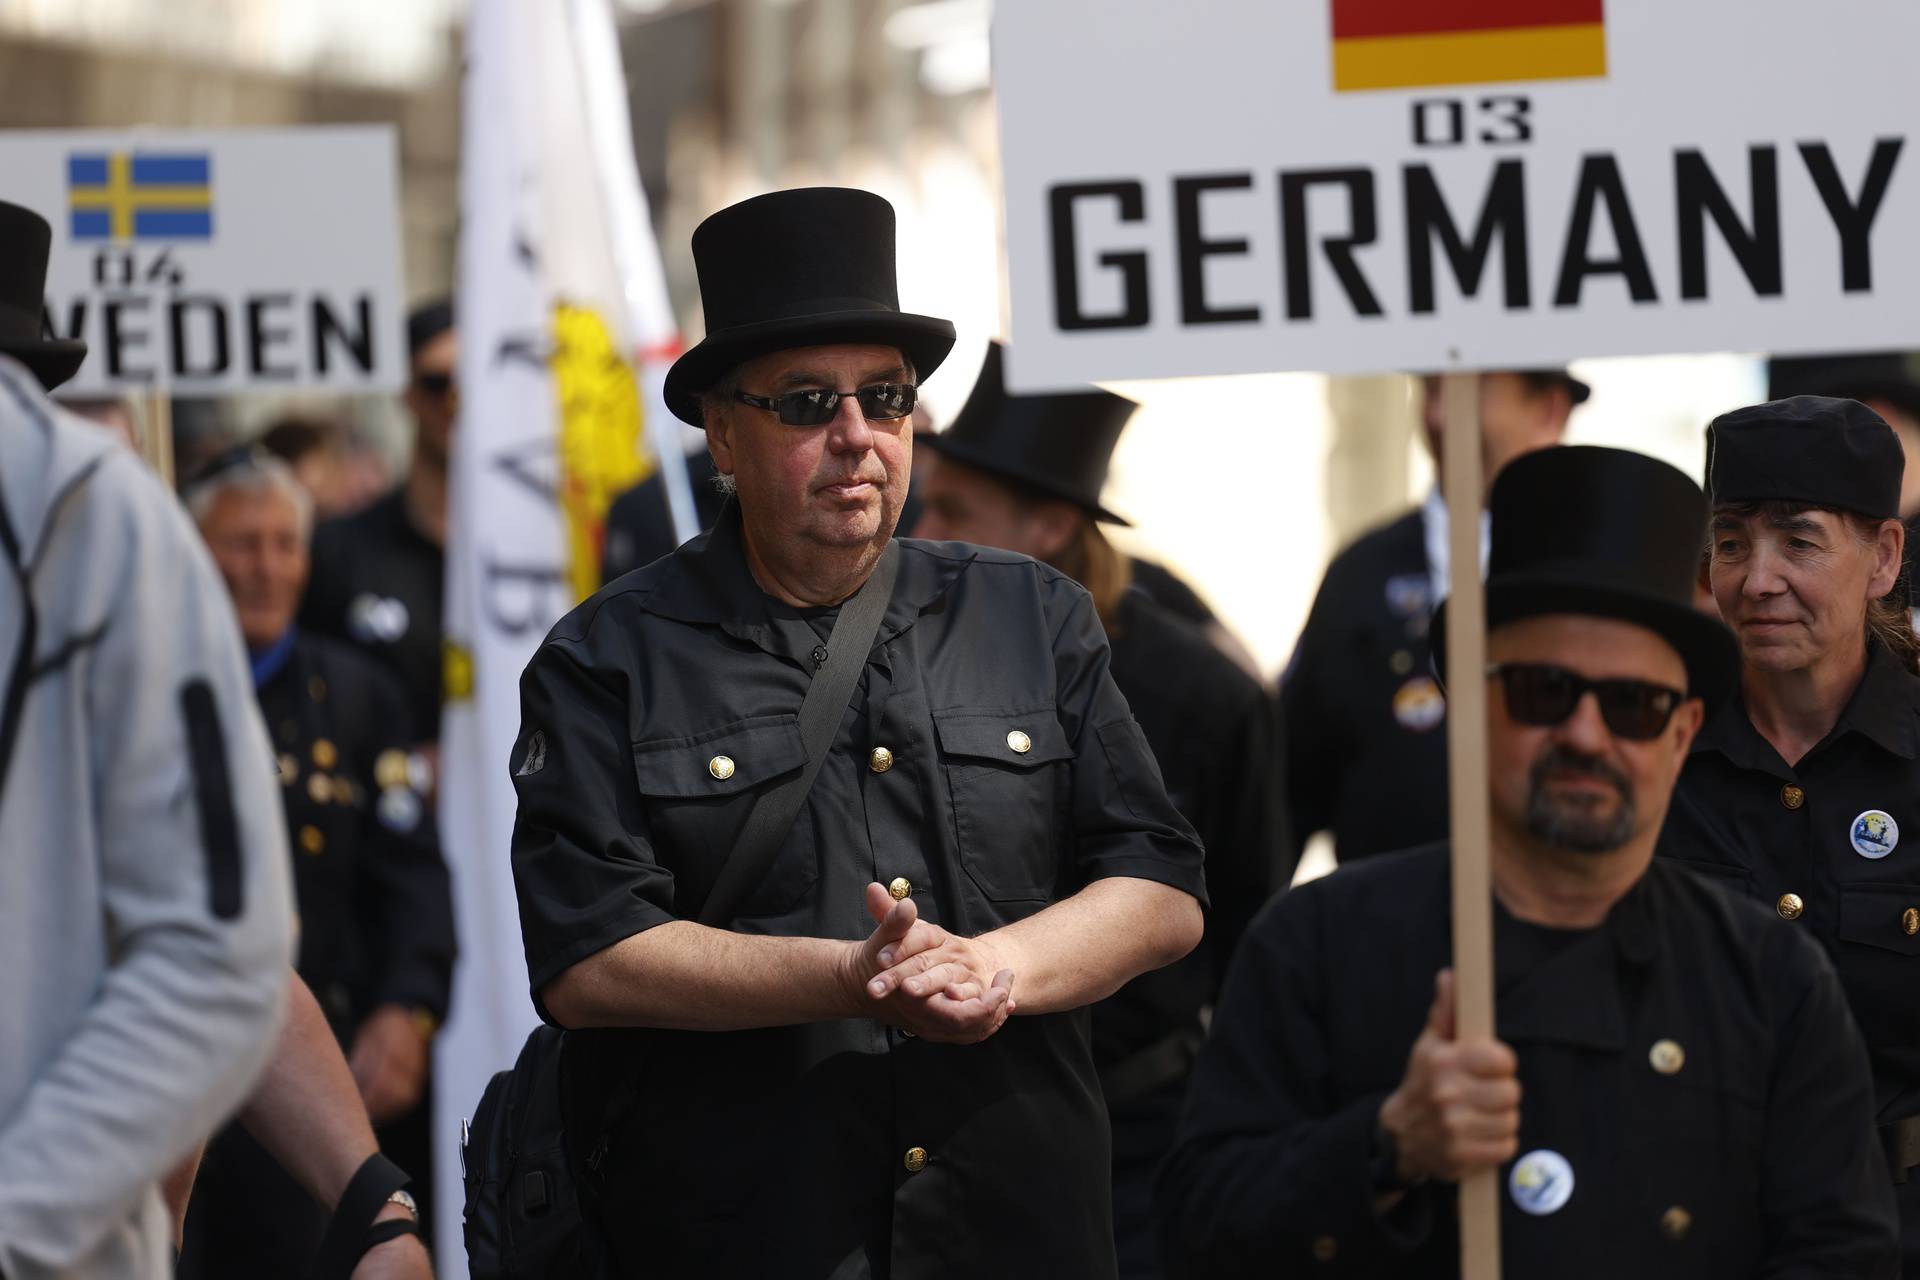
x: 405, y: 1200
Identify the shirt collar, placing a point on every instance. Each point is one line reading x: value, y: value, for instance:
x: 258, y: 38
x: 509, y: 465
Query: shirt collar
x: 1884, y: 709
x: 1534, y: 1005
x: 270, y: 661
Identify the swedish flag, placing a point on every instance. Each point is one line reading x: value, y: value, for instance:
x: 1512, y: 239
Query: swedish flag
x: 140, y: 195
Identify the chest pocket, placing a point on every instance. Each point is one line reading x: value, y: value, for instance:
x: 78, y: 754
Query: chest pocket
x: 1878, y: 957
x: 1008, y: 775
x: 699, y: 790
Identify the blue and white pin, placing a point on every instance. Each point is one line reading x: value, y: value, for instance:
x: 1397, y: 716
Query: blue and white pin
x: 1874, y: 834
x: 1541, y: 1182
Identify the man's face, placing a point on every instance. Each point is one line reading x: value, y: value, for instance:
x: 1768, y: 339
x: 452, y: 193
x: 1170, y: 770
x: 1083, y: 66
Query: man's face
x: 1514, y: 419
x: 1795, y: 586
x: 833, y: 486
x: 965, y: 504
x: 1577, y: 785
x: 257, y: 541
x: 431, y: 396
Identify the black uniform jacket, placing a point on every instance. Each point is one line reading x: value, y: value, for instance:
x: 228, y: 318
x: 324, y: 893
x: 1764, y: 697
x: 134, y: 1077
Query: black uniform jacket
x: 379, y: 584
x: 376, y: 912
x: 1362, y: 715
x: 1754, y: 1157
x: 1015, y: 776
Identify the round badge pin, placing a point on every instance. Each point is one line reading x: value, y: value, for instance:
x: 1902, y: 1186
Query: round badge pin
x: 1541, y: 1182
x: 1419, y: 705
x: 1874, y: 834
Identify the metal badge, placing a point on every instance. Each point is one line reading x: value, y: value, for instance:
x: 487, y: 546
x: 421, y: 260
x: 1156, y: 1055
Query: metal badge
x: 1541, y: 1182
x: 1874, y: 834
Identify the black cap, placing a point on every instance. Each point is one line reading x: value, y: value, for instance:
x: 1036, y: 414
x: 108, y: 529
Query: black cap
x: 428, y: 321
x: 1577, y: 391
x: 1813, y: 451
x: 1863, y: 375
x: 1608, y: 533
x: 1060, y: 444
x: 26, y: 244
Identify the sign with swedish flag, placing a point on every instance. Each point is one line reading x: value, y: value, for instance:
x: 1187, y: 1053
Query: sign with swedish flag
x: 120, y: 195
x: 213, y: 261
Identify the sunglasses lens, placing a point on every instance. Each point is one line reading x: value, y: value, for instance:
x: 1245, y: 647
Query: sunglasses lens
x: 887, y: 401
x: 808, y: 408
x: 434, y: 384
x: 1635, y: 710
x: 1539, y: 695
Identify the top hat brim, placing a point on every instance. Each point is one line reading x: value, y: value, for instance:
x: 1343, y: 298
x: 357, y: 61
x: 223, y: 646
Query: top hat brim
x: 981, y: 460
x: 51, y: 360
x: 925, y: 340
x: 1708, y: 649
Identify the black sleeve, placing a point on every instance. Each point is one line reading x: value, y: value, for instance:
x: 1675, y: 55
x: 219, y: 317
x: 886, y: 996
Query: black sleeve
x: 1242, y: 824
x: 1266, y: 1164
x: 583, y: 863
x: 323, y: 606
x: 1308, y: 716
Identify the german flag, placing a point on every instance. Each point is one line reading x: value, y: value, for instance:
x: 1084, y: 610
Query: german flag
x: 1403, y: 44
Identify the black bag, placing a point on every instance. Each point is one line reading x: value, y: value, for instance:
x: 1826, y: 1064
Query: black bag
x: 530, y: 1211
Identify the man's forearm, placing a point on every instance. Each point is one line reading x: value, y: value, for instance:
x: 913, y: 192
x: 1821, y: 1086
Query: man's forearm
x: 1088, y: 946
x: 306, y: 1111
x: 688, y: 977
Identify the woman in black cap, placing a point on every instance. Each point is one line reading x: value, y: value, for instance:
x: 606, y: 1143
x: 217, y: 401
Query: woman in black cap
x: 1804, y: 791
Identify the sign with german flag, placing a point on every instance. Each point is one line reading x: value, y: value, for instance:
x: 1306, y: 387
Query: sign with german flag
x: 1226, y: 186
x: 1403, y: 44
x: 212, y: 261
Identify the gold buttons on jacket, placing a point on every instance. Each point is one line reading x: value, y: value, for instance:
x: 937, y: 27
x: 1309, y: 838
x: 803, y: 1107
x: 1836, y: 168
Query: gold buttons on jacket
x: 1910, y: 921
x: 900, y: 888
x: 1667, y: 1057
x: 1675, y: 1223
x: 320, y: 788
x: 324, y: 754
x: 1020, y: 742
x: 311, y: 840
x: 879, y: 759
x: 1792, y: 796
x: 289, y: 769
x: 721, y: 767
x: 390, y: 769
x: 916, y: 1159
x: 1325, y: 1249
x: 1790, y: 906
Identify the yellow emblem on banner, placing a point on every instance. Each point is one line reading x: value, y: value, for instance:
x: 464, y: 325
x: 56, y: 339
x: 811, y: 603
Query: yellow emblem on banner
x: 601, y: 455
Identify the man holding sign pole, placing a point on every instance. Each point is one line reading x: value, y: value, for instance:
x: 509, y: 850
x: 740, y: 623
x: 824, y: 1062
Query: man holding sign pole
x: 1676, y: 1089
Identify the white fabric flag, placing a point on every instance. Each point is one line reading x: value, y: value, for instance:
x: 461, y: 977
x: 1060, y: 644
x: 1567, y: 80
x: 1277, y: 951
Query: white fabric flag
x: 564, y: 332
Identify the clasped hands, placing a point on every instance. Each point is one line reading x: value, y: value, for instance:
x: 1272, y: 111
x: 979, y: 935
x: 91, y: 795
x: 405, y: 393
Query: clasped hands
x: 924, y: 980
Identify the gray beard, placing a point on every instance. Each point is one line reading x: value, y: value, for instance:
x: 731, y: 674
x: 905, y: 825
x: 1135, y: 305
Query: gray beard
x: 1573, y: 827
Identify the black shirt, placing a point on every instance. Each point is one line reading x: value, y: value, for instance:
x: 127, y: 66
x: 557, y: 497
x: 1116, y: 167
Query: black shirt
x: 379, y: 584
x: 1017, y: 776
x: 1362, y: 715
x: 1691, y: 1061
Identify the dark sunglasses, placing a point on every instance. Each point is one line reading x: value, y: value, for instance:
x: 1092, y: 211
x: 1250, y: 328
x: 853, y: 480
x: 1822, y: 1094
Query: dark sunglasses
x: 1543, y: 695
x: 434, y: 384
x: 881, y: 402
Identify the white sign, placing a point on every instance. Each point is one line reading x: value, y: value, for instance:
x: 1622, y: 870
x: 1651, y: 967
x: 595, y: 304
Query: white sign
x: 1225, y: 186
x: 211, y: 261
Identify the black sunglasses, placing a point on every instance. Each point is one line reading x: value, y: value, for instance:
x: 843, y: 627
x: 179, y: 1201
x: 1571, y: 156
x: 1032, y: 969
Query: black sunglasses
x: 434, y: 384
x: 881, y: 402
x: 1542, y: 695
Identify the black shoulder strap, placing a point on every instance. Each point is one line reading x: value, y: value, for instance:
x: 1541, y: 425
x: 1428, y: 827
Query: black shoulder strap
x: 820, y: 714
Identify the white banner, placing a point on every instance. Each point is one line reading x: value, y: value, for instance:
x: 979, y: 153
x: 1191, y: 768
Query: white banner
x: 210, y: 261
x: 1223, y: 186
x: 561, y: 299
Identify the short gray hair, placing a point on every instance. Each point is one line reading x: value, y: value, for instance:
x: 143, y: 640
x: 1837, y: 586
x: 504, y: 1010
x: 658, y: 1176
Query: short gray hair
x: 250, y: 471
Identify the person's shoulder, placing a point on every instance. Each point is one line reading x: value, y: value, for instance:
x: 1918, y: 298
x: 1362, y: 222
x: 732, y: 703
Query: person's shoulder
x: 1204, y: 675
x: 371, y: 523
x: 980, y: 567
x: 1399, y: 542
x: 1364, y: 894
x: 354, y: 673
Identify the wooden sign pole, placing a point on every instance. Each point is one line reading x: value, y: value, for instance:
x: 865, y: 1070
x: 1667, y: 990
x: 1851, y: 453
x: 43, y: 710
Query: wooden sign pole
x: 1467, y: 773
x: 156, y: 436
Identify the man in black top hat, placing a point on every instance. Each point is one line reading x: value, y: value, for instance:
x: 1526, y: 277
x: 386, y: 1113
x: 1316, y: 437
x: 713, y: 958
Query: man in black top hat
x: 1025, y: 473
x: 1803, y: 791
x: 1358, y: 697
x: 1676, y: 1090
x: 878, y: 1063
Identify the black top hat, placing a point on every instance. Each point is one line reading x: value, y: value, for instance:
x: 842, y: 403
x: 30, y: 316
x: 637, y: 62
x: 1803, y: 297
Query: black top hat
x: 801, y: 268
x: 1876, y: 375
x: 1577, y: 391
x: 1816, y: 451
x: 1060, y: 444
x: 25, y: 243
x: 1611, y: 533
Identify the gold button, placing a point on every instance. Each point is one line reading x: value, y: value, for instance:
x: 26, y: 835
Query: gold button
x: 1325, y: 1249
x: 1667, y: 1057
x: 721, y: 767
x: 1400, y: 663
x: 320, y: 788
x: 1910, y: 921
x: 1020, y: 742
x: 390, y: 769
x: 311, y: 840
x: 1790, y: 906
x: 1792, y: 796
x: 916, y: 1159
x: 317, y: 688
x: 289, y: 769
x: 1675, y: 1223
x: 900, y: 888
x: 879, y: 759
x: 324, y: 754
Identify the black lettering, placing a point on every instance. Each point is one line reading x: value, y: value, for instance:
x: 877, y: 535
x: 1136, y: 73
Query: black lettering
x: 1502, y: 213
x: 260, y: 338
x: 1132, y: 266
x: 113, y: 268
x: 531, y: 465
x: 522, y: 599
x: 1853, y: 219
x: 1698, y: 193
x: 1195, y: 249
x: 120, y: 340
x: 1600, y: 182
x: 1455, y: 116
x: 1512, y: 110
x: 220, y: 353
x: 358, y: 341
x: 1339, y: 249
